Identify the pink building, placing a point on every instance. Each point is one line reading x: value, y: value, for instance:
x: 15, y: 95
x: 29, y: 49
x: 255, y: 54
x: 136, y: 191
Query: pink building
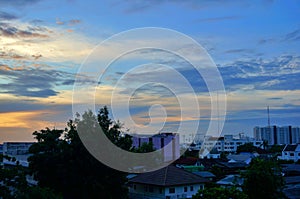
x: 168, y: 142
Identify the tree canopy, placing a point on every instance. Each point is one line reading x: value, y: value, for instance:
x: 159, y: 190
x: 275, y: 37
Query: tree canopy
x: 61, y: 162
x: 247, y: 147
x: 263, y: 180
x: 220, y: 193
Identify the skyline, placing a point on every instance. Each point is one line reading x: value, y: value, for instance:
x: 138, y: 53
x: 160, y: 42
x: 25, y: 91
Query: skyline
x: 255, y: 45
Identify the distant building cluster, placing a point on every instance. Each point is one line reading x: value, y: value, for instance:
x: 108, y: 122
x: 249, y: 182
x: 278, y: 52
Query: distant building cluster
x: 278, y: 135
x: 18, y: 151
x: 228, y: 143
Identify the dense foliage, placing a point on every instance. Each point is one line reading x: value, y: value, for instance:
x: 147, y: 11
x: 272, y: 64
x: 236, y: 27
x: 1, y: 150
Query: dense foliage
x: 220, y: 193
x: 263, y: 180
x: 61, y: 162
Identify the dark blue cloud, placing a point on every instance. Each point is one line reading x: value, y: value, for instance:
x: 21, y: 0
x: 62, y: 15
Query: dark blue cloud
x: 17, y: 3
x: 292, y: 36
x: 7, y: 16
x: 36, y: 82
x: 281, y: 73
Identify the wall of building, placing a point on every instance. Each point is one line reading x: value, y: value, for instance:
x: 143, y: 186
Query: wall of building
x: 138, y: 191
x: 16, y: 148
x: 168, y: 141
x: 227, y: 143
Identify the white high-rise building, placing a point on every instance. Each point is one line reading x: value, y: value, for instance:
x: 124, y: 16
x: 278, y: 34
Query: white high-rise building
x: 278, y: 135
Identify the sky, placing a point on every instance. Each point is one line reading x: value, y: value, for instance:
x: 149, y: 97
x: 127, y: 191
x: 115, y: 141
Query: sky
x: 45, y: 45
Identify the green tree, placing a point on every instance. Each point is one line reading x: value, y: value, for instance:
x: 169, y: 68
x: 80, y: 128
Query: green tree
x: 220, y: 193
x: 61, y: 162
x: 276, y: 149
x: 263, y: 180
x: 14, y: 185
x: 145, y: 148
x: 247, y: 147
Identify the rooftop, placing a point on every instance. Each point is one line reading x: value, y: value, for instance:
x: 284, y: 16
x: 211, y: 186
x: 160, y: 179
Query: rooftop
x: 290, y: 147
x: 168, y: 176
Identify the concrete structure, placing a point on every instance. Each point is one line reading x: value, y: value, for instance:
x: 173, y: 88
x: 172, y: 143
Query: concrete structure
x: 290, y: 152
x: 231, y: 181
x: 278, y: 135
x: 169, y: 142
x: 166, y: 183
x: 242, y: 157
x: 16, y: 148
x: 18, y: 153
x: 228, y: 143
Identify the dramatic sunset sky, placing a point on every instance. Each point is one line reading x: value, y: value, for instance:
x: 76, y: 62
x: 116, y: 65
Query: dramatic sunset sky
x: 255, y: 44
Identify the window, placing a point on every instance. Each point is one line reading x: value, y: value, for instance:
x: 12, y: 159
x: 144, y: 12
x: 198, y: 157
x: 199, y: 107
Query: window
x: 151, y: 189
x: 160, y: 190
x: 202, y: 187
x: 291, y: 154
x: 185, y: 189
x: 172, y: 190
x: 145, y: 188
x: 191, y: 188
x: 168, y: 197
x: 134, y: 187
x: 298, y: 154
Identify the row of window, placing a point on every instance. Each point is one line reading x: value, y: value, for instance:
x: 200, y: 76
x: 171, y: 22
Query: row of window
x: 231, y: 143
x: 185, y: 189
x: 171, y: 190
x: 292, y: 154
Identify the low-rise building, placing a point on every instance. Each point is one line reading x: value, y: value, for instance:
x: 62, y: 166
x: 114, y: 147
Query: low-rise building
x: 228, y: 143
x: 290, y: 152
x: 231, y: 181
x: 16, y: 153
x: 166, y: 183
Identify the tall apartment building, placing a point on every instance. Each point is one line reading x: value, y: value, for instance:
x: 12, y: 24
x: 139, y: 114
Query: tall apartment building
x: 168, y: 141
x: 278, y: 135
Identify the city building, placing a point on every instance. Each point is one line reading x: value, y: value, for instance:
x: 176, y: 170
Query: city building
x: 231, y: 181
x: 228, y: 143
x: 277, y: 135
x: 168, y: 142
x: 18, y: 153
x: 166, y: 183
x: 290, y: 152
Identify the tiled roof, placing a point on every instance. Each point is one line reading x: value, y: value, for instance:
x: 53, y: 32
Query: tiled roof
x: 168, y: 176
x: 186, y: 161
x: 290, y: 147
x: 205, y: 174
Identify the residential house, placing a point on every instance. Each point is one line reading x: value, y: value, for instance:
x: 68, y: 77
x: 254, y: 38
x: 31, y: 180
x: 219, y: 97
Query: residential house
x: 290, y: 152
x: 230, y: 181
x: 242, y: 157
x: 167, y: 183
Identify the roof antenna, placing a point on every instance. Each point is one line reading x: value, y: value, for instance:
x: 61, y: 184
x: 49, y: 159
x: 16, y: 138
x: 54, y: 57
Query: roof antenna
x: 218, y: 113
x: 269, y: 124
